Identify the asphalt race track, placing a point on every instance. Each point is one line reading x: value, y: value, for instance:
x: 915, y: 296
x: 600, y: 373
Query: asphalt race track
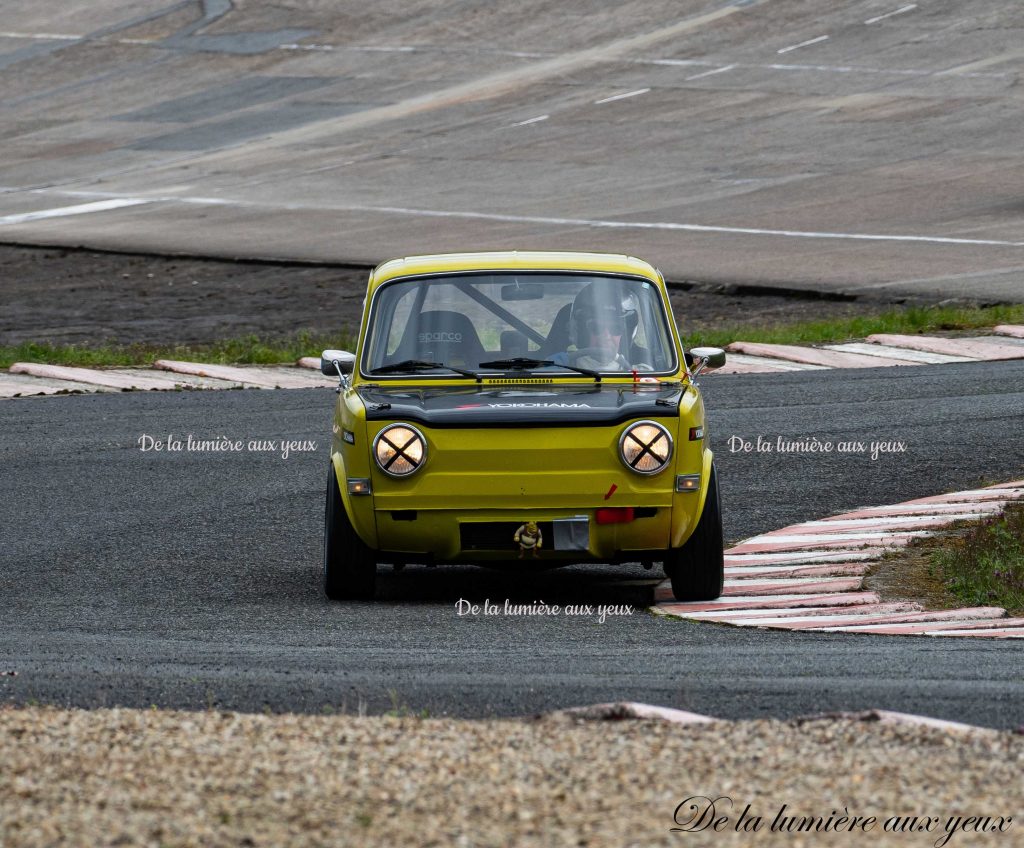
x: 191, y: 579
x: 866, y: 149
x: 868, y: 146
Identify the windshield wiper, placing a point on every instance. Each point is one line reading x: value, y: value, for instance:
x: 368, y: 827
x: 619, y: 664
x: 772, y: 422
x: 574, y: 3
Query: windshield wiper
x: 422, y: 365
x: 524, y: 363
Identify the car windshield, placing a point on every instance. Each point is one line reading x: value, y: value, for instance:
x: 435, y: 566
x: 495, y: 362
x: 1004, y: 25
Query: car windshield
x: 575, y: 323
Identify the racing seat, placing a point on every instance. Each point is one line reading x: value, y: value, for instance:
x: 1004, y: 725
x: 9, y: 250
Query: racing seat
x: 558, y: 336
x: 441, y: 336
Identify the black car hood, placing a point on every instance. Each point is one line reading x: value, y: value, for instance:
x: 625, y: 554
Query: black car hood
x: 510, y: 405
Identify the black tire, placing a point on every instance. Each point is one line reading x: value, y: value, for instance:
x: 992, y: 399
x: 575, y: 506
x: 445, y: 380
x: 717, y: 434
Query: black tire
x: 697, y: 569
x: 350, y: 566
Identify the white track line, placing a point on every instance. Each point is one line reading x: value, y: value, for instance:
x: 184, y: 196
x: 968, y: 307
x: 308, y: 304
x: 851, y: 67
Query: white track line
x: 710, y: 73
x: 859, y: 69
x: 42, y: 36
x: 807, y: 43
x: 386, y: 49
x: 61, y: 36
x: 899, y: 11
x: 81, y: 209
x: 540, y: 219
x: 615, y: 97
x: 668, y: 226
x: 536, y: 120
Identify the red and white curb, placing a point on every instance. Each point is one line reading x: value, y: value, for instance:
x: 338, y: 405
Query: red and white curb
x: 810, y: 576
x: 26, y: 378
x: 30, y: 378
x: 880, y: 350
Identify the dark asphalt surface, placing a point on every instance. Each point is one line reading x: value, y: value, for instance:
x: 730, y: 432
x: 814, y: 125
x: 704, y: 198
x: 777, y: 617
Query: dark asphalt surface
x: 191, y: 580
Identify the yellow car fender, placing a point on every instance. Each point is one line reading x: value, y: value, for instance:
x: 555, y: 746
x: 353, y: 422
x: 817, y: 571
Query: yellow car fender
x: 688, y: 507
x: 350, y: 417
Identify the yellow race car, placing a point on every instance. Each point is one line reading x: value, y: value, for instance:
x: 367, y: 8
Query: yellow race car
x: 516, y: 408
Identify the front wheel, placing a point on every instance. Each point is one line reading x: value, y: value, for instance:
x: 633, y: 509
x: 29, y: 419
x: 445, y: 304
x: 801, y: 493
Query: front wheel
x: 350, y: 565
x: 697, y: 569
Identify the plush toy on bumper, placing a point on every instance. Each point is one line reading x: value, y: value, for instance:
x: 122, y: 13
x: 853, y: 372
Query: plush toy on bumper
x: 529, y: 538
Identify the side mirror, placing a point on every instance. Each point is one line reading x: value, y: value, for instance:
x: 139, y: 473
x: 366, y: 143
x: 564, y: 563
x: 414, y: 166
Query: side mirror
x: 707, y: 358
x: 334, y: 361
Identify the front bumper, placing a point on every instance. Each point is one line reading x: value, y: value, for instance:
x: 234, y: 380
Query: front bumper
x: 487, y: 535
x: 479, y: 485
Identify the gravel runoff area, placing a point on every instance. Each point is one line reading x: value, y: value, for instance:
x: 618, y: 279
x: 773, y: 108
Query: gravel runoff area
x: 63, y: 296
x: 148, y: 777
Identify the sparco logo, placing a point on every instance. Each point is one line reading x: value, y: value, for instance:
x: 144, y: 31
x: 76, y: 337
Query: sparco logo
x: 423, y: 338
x: 539, y: 405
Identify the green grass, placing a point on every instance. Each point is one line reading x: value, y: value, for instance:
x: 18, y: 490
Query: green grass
x: 985, y: 565
x: 916, y: 319
x: 247, y: 350
x: 259, y: 350
x: 400, y: 709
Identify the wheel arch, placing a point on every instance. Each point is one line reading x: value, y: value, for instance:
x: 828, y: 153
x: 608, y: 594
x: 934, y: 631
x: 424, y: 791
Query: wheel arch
x: 682, y: 532
x: 361, y: 516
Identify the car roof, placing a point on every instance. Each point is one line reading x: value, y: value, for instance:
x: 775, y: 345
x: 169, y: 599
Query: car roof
x: 513, y: 260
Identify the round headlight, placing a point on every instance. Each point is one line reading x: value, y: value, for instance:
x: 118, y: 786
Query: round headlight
x: 645, y: 447
x: 399, y: 450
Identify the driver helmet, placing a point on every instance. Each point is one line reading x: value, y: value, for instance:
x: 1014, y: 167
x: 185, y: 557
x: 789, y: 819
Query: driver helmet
x: 599, y: 306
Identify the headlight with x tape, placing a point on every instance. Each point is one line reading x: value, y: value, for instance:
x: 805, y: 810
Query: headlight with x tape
x: 645, y: 447
x: 400, y: 450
